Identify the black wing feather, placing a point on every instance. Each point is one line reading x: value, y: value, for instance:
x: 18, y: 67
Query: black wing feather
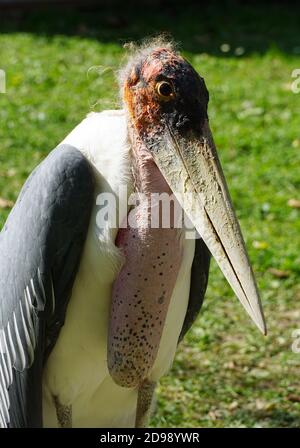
x: 199, y: 280
x: 40, y: 250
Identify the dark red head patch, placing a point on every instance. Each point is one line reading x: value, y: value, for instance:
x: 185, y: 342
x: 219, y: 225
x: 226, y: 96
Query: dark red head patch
x: 149, y: 110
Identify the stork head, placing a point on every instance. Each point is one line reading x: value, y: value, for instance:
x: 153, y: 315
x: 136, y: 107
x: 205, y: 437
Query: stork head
x: 167, y: 103
x: 162, y: 90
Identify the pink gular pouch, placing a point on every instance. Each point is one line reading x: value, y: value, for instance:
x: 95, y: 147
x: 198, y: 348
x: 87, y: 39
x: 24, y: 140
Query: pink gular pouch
x: 144, y: 286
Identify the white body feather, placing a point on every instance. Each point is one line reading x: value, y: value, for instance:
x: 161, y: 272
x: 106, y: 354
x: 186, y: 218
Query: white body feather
x: 76, y: 370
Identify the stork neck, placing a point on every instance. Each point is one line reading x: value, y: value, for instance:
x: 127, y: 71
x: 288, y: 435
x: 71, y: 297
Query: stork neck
x: 147, y: 177
x: 143, y: 288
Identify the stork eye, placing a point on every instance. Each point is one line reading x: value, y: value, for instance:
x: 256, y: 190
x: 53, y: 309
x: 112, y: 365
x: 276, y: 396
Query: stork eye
x: 165, y: 90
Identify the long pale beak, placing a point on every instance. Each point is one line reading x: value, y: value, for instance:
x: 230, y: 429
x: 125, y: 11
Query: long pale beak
x: 191, y: 165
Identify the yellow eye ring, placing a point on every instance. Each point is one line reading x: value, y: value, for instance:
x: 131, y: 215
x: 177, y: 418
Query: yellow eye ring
x: 165, y: 90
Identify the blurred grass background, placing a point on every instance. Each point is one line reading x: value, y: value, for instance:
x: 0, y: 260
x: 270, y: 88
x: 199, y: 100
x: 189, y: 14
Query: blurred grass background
x: 226, y: 374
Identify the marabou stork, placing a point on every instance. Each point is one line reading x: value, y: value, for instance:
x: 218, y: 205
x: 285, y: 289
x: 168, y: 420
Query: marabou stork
x: 91, y: 316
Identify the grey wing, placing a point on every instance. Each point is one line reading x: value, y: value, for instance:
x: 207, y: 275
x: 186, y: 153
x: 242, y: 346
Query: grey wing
x: 199, y: 280
x: 40, y: 250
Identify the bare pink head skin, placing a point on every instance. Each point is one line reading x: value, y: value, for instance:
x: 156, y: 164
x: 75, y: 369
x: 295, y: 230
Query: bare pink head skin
x: 166, y: 103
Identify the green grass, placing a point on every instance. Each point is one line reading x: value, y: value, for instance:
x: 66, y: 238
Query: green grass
x: 225, y: 373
